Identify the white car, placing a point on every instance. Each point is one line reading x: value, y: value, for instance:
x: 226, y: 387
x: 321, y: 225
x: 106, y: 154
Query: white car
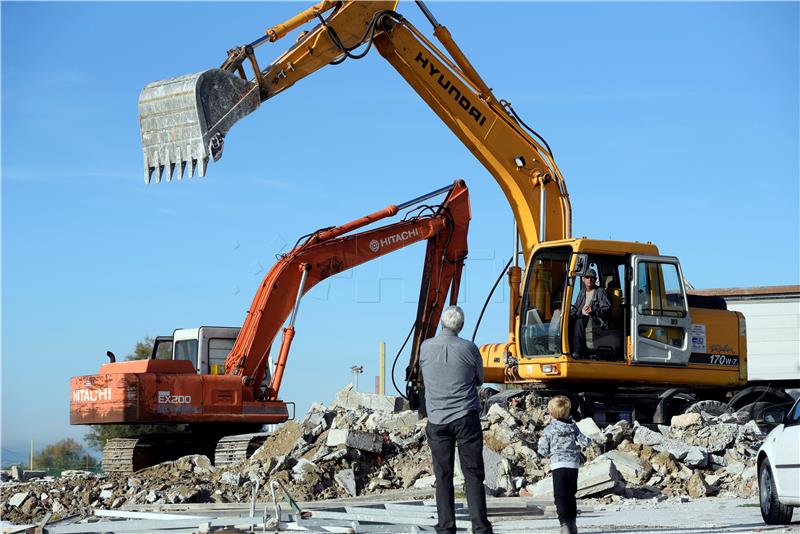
x: 779, y: 469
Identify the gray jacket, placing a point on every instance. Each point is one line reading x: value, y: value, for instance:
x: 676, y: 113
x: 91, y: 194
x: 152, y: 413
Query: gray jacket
x: 600, y: 304
x: 452, y: 370
x: 558, y: 443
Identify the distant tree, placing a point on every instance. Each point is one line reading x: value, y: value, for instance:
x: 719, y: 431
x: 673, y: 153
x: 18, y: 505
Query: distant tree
x: 142, y: 350
x: 99, y: 434
x: 64, y: 454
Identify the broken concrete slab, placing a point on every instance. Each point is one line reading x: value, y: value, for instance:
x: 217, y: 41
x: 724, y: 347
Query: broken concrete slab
x: 399, y: 423
x: 696, y: 457
x: 231, y: 477
x: 675, y: 447
x: 346, y: 478
x: 499, y: 436
x: 595, y: 479
x: 633, y: 469
x: 589, y: 428
x: 354, y: 400
x: 645, y: 436
x: 18, y: 498
x: 365, y: 441
x: 686, y: 420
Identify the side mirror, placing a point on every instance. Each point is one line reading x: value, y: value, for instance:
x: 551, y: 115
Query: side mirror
x: 580, y: 266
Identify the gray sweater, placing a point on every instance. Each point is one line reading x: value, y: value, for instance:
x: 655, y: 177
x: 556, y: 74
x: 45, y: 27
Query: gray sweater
x: 452, y: 370
x: 558, y: 443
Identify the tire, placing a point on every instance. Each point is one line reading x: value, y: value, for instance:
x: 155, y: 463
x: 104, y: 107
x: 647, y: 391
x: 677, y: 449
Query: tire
x: 773, y: 512
x: 709, y: 406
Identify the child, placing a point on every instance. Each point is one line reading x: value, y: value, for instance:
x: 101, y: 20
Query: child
x: 558, y: 442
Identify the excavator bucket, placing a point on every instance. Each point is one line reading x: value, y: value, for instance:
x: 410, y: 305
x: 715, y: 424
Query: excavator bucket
x: 184, y: 120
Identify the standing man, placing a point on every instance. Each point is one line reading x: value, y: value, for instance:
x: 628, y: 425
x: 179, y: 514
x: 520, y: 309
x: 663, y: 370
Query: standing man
x: 592, y: 303
x: 452, y: 370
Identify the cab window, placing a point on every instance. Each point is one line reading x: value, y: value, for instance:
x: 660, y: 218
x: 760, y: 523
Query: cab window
x: 162, y: 350
x: 218, y: 350
x: 542, y: 301
x: 660, y: 291
x: 186, y: 349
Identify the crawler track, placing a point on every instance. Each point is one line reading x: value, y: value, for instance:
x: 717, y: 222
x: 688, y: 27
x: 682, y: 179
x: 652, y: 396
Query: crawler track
x: 128, y: 455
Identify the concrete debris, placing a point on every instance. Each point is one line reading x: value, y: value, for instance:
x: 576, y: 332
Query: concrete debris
x: 346, y: 478
x: 686, y: 420
x: 634, y: 470
x: 354, y: 400
x: 595, y: 479
x: 365, y: 444
x: 590, y: 429
x: 365, y: 441
x: 18, y: 498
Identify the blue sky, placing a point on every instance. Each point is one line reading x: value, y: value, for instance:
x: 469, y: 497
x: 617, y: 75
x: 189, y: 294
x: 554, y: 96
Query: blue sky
x: 675, y: 123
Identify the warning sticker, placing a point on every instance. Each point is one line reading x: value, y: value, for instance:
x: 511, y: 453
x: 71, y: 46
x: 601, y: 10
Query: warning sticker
x: 698, y: 334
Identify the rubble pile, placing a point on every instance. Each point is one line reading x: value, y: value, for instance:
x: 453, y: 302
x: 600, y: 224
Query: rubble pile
x: 365, y: 444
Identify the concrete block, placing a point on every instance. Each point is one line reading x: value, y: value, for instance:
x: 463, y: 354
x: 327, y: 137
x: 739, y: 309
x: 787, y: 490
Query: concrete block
x: 696, y: 457
x: 686, y: 420
x: 497, y: 471
x: 16, y: 472
x: 354, y: 400
x: 399, y: 423
x: 595, y: 479
x: 500, y: 435
x: 590, y: 429
x: 355, y: 439
x: 632, y: 468
x: 346, y: 478
x: 425, y: 482
x: 645, y: 436
x: 231, y: 478
x: 303, y: 469
x: 675, y: 447
x: 17, y: 499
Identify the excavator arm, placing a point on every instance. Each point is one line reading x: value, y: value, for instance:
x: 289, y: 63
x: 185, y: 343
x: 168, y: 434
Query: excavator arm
x: 333, y: 250
x: 184, y: 120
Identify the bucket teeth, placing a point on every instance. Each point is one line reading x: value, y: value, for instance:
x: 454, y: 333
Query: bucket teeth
x: 184, y: 120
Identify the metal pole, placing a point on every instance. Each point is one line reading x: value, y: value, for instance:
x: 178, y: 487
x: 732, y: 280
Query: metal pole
x: 382, y: 383
x: 516, y: 244
x: 30, y: 464
x: 425, y: 197
x: 306, y: 268
x: 542, y: 212
x: 427, y: 13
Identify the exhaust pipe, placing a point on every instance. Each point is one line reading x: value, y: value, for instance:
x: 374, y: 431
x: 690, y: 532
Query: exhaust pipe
x: 184, y: 120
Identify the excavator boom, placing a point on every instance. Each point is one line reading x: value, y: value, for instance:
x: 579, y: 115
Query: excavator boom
x: 184, y: 120
x: 332, y: 250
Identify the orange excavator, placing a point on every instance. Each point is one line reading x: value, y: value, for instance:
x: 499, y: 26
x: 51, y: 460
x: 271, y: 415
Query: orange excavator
x: 217, y: 407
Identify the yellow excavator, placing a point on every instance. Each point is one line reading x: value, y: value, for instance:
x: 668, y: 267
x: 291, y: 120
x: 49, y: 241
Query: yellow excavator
x: 654, y: 352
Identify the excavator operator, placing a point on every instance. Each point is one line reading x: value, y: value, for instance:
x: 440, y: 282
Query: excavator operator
x: 591, y: 308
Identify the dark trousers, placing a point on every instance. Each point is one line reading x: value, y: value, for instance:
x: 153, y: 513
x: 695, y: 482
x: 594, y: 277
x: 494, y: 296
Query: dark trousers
x: 442, y: 440
x: 579, y: 325
x: 565, y: 486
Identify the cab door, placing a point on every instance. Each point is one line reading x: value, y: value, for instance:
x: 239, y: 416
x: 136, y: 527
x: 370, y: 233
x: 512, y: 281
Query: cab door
x: 660, y: 329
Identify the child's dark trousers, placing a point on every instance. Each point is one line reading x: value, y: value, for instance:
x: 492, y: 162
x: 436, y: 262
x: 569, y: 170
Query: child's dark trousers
x: 565, y: 486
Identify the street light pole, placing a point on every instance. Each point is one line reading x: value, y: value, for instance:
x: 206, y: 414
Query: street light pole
x: 357, y: 370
